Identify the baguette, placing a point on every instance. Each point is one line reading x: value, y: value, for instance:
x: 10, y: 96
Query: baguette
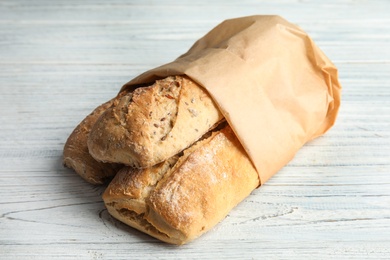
x: 179, y: 199
x: 153, y: 123
x: 76, y: 155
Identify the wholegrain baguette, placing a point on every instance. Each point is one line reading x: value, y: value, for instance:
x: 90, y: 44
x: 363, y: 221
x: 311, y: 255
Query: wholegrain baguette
x: 76, y: 155
x: 179, y: 199
x: 153, y: 123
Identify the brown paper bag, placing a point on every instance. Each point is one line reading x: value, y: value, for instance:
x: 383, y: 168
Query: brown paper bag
x: 274, y: 86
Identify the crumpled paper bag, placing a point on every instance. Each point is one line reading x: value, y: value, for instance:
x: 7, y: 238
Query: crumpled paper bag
x: 275, y: 87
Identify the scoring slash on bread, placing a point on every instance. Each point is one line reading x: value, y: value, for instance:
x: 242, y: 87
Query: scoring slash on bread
x: 179, y: 199
x: 153, y: 123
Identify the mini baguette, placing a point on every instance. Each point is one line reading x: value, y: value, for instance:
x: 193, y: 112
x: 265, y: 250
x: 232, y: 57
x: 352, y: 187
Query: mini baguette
x: 76, y: 155
x: 178, y: 200
x: 153, y: 123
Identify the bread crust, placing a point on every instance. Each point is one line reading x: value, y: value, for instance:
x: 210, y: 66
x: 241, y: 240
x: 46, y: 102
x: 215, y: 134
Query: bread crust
x: 76, y: 155
x: 153, y: 123
x: 190, y: 197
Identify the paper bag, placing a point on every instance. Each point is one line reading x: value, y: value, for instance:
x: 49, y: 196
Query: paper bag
x: 275, y: 87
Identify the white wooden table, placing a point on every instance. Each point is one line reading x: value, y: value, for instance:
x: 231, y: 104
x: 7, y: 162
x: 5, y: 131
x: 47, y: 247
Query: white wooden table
x: 60, y: 59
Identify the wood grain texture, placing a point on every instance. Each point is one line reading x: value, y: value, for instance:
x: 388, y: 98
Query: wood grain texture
x: 60, y: 59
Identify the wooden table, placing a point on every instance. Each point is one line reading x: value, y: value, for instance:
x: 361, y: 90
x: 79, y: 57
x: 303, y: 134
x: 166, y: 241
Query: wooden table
x: 60, y: 59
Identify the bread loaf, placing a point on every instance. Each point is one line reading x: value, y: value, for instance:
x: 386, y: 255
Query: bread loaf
x: 153, y: 123
x: 185, y: 196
